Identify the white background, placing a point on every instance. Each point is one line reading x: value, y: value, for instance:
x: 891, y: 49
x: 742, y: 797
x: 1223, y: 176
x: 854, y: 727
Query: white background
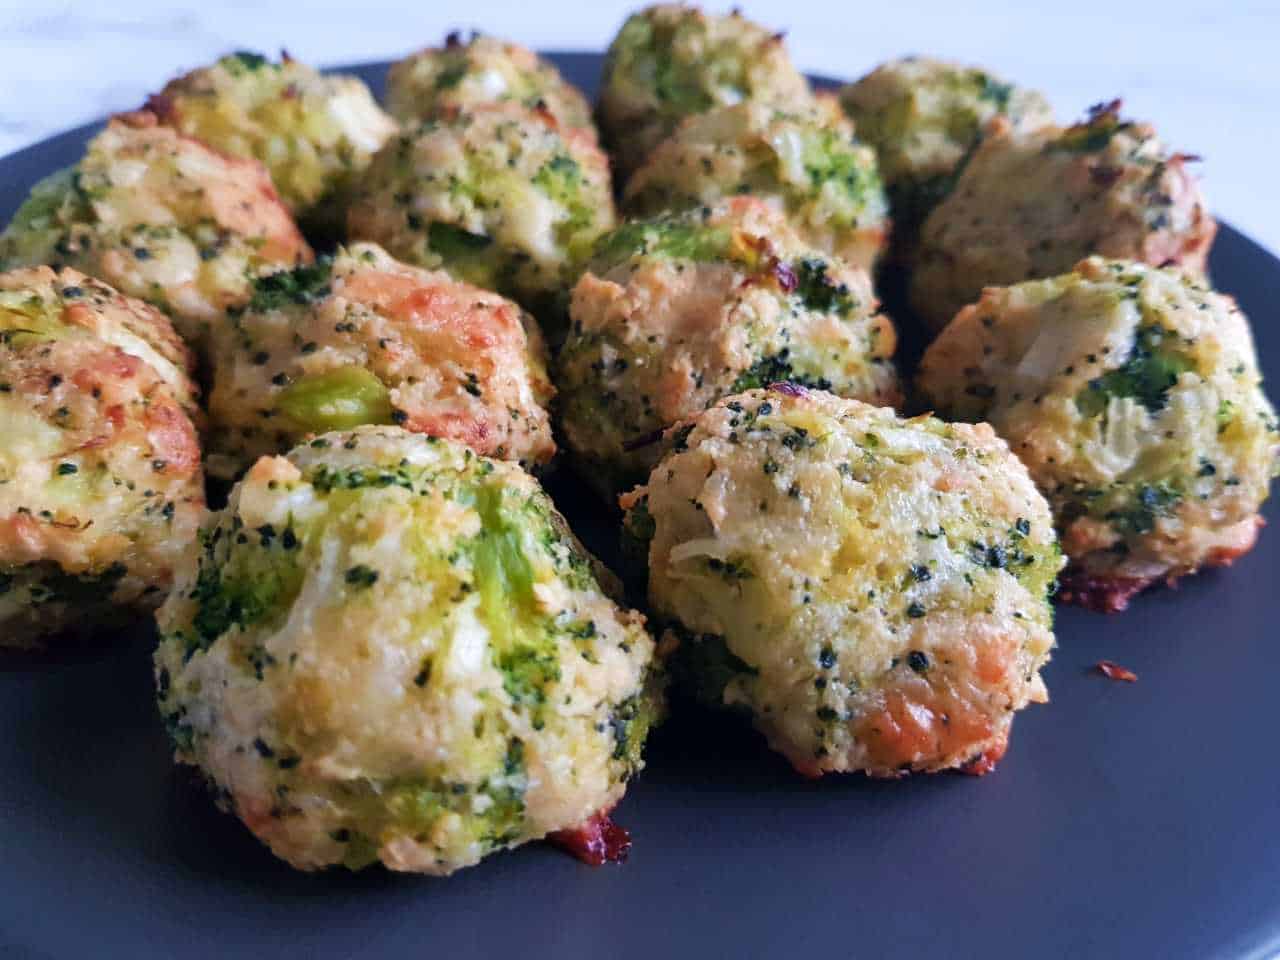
x: 1206, y: 73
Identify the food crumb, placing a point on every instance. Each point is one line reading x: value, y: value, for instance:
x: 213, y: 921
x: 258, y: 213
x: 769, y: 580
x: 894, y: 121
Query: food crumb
x: 596, y: 842
x: 1113, y: 671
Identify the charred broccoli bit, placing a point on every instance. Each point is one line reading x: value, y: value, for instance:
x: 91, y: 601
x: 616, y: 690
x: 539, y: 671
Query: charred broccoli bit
x: 302, y: 285
x: 819, y: 292
x: 1104, y: 123
x: 1150, y: 372
x: 776, y: 369
x: 244, y: 61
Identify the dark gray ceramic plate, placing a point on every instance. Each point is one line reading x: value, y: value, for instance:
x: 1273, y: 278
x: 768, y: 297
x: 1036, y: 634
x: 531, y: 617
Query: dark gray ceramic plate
x: 1126, y: 821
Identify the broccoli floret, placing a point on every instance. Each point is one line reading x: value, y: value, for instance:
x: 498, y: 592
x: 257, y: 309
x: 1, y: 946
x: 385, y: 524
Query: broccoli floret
x: 1149, y: 503
x: 303, y: 285
x: 244, y: 61
x: 819, y: 292
x: 257, y: 580
x: 37, y: 233
x: 337, y: 399
x: 704, y: 665
x: 1149, y: 373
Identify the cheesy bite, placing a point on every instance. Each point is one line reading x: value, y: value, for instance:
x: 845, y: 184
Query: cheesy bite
x: 923, y: 117
x: 162, y: 217
x: 389, y: 649
x: 101, y: 490
x: 315, y: 133
x: 1030, y: 206
x: 500, y: 196
x: 675, y: 312
x: 462, y: 75
x: 807, y: 164
x: 670, y: 61
x: 872, y: 591
x: 362, y: 339
x: 1133, y: 396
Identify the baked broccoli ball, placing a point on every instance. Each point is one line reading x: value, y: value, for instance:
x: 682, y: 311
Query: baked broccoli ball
x: 162, y: 217
x: 462, y: 75
x: 1030, y: 206
x: 808, y: 164
x: 873, y: 591
x: 1133, y: 396
x: 390, y: 649
x: 362, y: 339
x: 314, y: 133
x: 670, y: 61
x: 500, y: 196
x: 676, y: 312
x: 101, y: 491
x: 923, y: 116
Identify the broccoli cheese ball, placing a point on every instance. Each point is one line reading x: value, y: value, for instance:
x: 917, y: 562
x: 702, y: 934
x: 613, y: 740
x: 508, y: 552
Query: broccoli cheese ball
x: 500, y: 196
x: 807, y: 164
x: 872, y: 590
x: 101, y: 491
x: 391, y: 649
x: 923, y: 117
x: 674, y: 313
x: 162, y: 217
x: 315, y: 134
x: 1133, y: 396
x: 362, y: 339
x: 460, y: 76
x: 1030, y: 206
x: 670, y: 61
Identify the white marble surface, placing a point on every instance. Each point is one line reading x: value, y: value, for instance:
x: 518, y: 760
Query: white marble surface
x: 1206, y: 73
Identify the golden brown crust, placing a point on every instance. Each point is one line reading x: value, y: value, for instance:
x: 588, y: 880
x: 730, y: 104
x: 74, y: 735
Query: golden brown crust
x: 1030, y: 205
x: 423, y: 350
x: 1101, y: 593
x: 165, y: 218
x: 1109, y: 593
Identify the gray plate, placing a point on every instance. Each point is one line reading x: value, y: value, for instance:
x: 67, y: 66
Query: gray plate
x: 1126, y: 821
